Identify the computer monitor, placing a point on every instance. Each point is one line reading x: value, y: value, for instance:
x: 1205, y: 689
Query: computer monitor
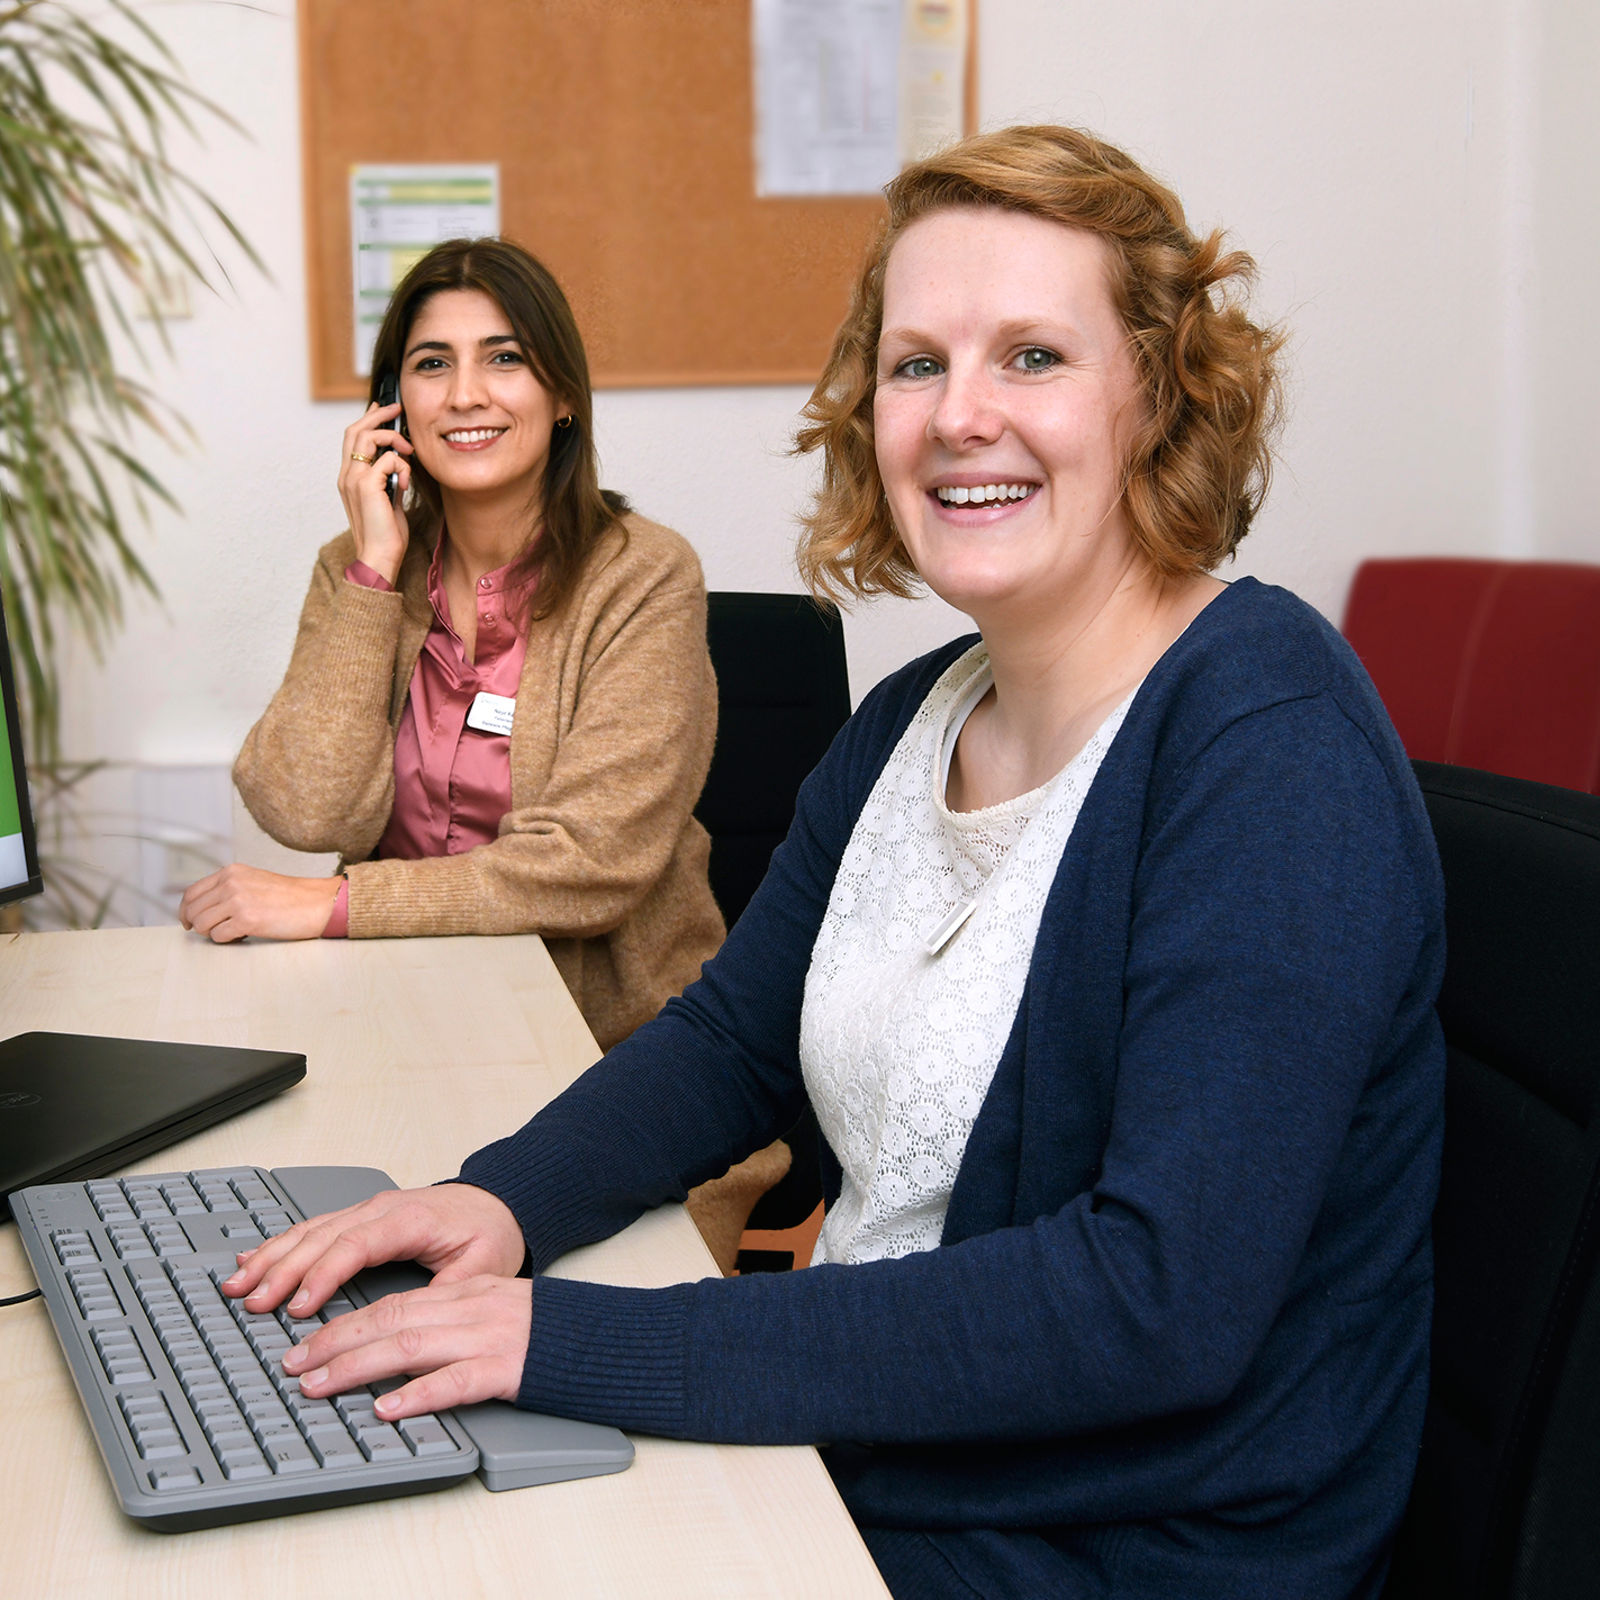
x: 19, y: 849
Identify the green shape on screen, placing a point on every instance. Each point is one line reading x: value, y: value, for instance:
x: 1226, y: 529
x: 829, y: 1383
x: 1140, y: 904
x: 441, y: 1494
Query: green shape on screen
x: 10, y: 812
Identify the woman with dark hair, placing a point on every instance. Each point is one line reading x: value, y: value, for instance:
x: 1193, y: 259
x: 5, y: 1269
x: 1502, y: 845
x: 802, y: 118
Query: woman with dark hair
x: 1104, y: 944
x: 499, y: 710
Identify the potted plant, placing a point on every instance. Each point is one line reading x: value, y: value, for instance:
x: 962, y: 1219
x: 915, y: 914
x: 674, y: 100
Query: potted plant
x: 96, y: 224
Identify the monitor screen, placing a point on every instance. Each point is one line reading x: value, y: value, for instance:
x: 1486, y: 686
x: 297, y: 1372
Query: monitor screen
x: 19, y: 850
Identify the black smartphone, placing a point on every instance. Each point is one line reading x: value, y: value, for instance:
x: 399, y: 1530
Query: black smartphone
x: 389, y: 395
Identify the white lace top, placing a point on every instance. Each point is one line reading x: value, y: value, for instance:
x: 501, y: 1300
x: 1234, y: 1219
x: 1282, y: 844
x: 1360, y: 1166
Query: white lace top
x: 898, y: 1041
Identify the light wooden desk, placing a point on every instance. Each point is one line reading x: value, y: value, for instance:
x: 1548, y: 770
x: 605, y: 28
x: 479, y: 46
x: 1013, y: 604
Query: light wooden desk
x: 418, y: 1051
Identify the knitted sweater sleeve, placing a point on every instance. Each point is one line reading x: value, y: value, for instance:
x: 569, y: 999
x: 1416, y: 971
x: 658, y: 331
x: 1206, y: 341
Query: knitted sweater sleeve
x: 317, y: 770
x: 1275, y: 928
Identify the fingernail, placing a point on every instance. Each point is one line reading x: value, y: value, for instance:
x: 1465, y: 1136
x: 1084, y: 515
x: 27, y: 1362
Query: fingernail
x: 384, y: 1404
x: 319, y: 1376
x: 300, y: 1300
x: 293, y: 1357
x: 228, y: 1283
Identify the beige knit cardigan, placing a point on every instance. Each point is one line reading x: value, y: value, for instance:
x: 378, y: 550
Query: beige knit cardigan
x: 615, y: 719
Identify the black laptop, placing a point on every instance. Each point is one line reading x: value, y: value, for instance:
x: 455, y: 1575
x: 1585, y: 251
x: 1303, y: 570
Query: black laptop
x: 76, y: 1106
x: 73, y: 1106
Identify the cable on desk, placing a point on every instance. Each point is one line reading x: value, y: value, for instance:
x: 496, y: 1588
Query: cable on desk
x: 17, y: 1299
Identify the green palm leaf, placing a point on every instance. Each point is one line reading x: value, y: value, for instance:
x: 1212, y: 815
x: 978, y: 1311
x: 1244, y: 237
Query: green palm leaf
x: 92, y: 215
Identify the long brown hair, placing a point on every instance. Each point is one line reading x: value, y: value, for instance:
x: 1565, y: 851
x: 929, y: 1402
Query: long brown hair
x: 575, y: 512
x: 1199, y: 463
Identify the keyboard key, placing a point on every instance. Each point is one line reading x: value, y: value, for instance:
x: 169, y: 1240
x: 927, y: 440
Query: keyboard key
x: 233, y: 1443
x: 169, y: 1239
x: 180, y: 1194
x: 425, y: 1434
x: 73, y: 1246
x: 164, y: 1478
x: 334, y: 1449
x: 270, y: 1428
x: 155, y: 1436
x: 115, y: 1344
x: 287, y: 1454
x: 311, y: 1413
x: 382, y: 1443
x: 131, y: 1244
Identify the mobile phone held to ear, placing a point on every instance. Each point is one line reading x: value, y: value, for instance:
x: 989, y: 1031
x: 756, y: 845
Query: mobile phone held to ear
x: 389, y: 395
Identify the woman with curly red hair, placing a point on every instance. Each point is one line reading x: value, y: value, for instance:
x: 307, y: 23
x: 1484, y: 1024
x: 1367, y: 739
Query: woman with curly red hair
x: 1104, y: 945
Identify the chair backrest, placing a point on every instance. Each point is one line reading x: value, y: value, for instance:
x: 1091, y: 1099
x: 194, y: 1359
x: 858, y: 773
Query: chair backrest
x: 1488, y: 664
x: 1506, y: 1504
x: 782, y: 694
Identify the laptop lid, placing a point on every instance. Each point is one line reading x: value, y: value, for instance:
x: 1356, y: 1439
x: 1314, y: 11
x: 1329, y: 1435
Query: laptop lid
x: 76, y: 1106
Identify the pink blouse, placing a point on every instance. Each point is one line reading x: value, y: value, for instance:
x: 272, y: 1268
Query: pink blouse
x: 452, y: 783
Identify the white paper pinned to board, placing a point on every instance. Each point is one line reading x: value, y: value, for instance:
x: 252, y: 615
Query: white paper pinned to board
x: 398, y: 214
x: 847, y: 91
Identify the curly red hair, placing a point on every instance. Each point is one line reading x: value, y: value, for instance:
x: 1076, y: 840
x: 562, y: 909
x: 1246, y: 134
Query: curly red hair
x: 1199, y: 461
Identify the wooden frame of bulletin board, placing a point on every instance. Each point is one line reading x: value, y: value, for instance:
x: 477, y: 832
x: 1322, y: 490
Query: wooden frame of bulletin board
x: 624, y: 134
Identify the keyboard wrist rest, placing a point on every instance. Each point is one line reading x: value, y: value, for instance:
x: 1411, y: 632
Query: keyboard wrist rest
x: 319, y: 1189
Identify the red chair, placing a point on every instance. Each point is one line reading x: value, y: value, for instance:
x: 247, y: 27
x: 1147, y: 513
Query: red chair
x: 1486, y: 664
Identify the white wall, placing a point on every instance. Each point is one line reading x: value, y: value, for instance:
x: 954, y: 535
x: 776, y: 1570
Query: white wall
x: 1417, y: 183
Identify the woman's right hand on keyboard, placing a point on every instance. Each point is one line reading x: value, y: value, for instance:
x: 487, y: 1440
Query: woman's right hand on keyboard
x: 454, y: 1230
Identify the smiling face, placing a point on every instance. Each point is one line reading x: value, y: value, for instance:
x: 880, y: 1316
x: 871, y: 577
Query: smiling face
x: 476, y: 412
x: 1006, y: 397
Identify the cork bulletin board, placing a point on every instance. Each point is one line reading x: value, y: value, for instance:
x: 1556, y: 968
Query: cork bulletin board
x: 623, y: 132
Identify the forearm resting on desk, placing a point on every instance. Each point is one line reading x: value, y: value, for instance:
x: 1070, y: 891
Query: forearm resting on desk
x: 239, y: 901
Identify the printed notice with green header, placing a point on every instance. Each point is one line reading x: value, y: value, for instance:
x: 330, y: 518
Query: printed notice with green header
x: 397, y: 215
x: 13, y: 857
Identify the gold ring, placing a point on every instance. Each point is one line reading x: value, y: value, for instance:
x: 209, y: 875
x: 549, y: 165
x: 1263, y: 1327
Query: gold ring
x: 365, y: 461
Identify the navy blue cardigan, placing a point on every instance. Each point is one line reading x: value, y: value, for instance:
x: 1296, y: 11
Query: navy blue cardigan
x: 1178, y: 1321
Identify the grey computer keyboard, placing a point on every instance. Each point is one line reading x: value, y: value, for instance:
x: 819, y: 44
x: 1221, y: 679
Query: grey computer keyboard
x: 184, y: 1389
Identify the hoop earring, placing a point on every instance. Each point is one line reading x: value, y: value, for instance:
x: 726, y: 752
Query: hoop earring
x: 564, y: 422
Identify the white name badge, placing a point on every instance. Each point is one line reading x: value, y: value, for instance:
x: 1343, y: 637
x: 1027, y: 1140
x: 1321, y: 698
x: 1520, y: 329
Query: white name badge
x: 491, y: 713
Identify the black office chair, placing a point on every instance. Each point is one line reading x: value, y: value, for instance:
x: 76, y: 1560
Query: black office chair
x: 782, y: 694
x: 1506, y: 1504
